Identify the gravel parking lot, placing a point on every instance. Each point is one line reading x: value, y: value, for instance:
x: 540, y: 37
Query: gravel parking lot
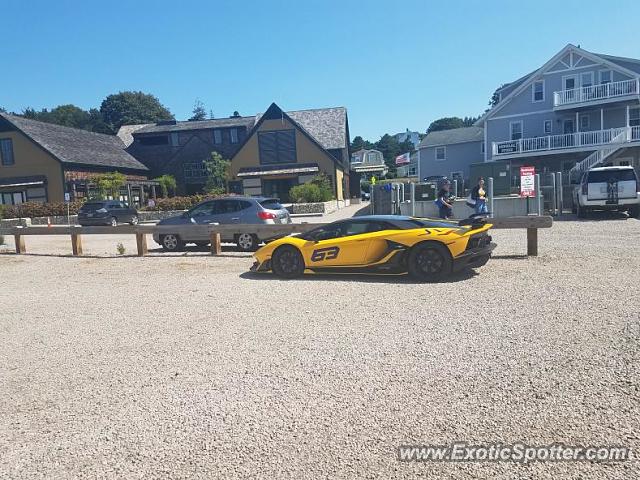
x: 186, y: 366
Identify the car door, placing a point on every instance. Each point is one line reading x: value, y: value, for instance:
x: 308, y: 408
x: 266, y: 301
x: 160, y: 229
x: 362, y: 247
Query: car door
x: 127, y: 212
x: 227, y: 211
x: 338, y: 245
x: 203, y: 214
x: 115, y: 210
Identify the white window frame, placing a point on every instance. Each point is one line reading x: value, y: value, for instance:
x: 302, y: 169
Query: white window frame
x: 511, y: 124
x: 636, y: 109
x: 590, y: 75
x: 588, y: 125
x: 576, y: 82
x: 444, y: 153
x: 217, y: 132
x: 544, y: 126
x: 600, y: 72
x: 533, y: 91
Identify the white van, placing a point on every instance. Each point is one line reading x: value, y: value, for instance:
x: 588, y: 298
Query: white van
x: 607, y: 188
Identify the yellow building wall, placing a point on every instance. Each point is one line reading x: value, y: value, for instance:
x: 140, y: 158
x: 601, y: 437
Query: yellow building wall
x: 306, y: 152
x: 32, y: 160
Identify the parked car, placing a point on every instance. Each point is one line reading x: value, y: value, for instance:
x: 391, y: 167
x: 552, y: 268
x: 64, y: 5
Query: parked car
x: 365, y: 195
x: 607, y: 188
x: 427, y: 249
x: 106, y: 212
x: 225, y: 211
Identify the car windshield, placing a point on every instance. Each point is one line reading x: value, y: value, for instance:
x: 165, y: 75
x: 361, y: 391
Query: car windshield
x: 271, y: 204
x: 92, y: 206
x: 606, y: 176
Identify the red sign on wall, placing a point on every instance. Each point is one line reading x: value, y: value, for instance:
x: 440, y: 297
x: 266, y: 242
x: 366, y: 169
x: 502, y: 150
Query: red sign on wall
x: 527, y: 181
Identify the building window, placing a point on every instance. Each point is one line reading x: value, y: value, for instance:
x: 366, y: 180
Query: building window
x: 441, y: 153
x: 277, y: 147
x: 586, y: 79
x: 6, y: 151
x: 584, y: 122
x: 515, y: 130
x: 412, y: 171
x: 154, y: 140
x: 482, y: 147
x: 233, y: 133
x: 548, y: 126
x: 195, y: 171
x: 634, y: 117
x: 605, y: 76
x: 217, y: 136
x: 538, y: 91
x: 175, y: 141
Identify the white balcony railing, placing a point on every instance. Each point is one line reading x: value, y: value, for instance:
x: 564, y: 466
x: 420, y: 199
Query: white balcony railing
x: 594, y: 93
x: 569, y: 140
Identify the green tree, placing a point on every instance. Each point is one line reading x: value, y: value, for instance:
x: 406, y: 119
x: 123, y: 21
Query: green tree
x: 199, y: 113
x: 358, y: 143
x: 217, y: 174
x: 495, y: 96
x: 167, y: 184
x: 236, y: 114
x: 318, y: 189
x: 390, y: 148
x: 445, y: 123
x: 109, y: 184
x: 129, y: 108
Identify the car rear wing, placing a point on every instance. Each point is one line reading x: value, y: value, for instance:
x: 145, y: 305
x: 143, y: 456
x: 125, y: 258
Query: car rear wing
x: 475, y: 221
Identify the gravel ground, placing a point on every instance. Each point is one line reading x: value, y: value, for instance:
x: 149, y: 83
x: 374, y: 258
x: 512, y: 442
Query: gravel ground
x: 185, y: 366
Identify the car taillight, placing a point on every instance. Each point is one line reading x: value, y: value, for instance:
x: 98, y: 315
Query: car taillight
x: 267, y: 215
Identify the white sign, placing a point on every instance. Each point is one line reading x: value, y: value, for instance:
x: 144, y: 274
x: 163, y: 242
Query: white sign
x: 527, y: 181
x: 67, y: 197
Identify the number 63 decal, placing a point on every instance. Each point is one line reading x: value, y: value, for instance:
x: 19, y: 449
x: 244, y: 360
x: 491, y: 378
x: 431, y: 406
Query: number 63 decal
x: 328, y: 253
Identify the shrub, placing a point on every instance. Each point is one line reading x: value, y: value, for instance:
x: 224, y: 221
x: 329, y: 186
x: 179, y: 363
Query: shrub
x: 33, y: 209
x: 317, y: 190
x: 179, y: 203
x: 121, y: 249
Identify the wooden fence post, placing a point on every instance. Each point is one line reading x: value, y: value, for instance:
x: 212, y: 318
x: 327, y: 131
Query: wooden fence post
x: 76, y: 244
x: 141, y: 242
x: 216, y: 247
x: 19, y: 241
x: 532, y: 242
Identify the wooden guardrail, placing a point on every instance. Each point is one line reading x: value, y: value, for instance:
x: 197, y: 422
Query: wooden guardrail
x: 216, y: 232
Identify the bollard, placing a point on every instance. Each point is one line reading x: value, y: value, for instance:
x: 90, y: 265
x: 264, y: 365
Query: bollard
x: 141, y: 243
x: 490, y: 196
x: 76, y: 244
x: 216, y: 246
x: 532, y: 242
x: 20, y: 246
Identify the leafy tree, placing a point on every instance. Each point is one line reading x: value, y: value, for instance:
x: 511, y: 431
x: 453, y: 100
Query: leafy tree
x: 2, y: 110
x: 318, y: 189
x: 495, y: 97
x: 217, y: 174
x: 128, y: 108
x: 445, y: 123
x: 391, y: 148
x: 358, y: 143
x: 167, y: 183
x: 109, y: 184
x: 199, y: 113
x: 211, y: 115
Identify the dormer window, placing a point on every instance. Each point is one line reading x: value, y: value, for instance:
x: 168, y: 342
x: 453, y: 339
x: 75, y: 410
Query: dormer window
x: 538, y: 91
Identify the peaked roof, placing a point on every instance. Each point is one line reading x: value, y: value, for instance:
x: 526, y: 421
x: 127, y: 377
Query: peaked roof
x: 75, y: 146
x: 625, y: 65
x: 455, y: 135
x: 328, y: 126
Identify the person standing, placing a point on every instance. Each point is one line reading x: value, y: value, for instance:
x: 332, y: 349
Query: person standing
x: 444, y: 200
x: 479, y: 194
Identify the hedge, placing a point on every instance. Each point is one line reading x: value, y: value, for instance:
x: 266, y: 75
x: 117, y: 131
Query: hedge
x: 33, y: 209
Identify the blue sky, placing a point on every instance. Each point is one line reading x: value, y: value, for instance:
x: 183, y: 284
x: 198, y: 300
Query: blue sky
x: 394, y: 65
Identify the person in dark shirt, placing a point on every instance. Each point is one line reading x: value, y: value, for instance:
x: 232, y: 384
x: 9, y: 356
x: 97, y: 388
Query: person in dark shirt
x: 444, y: 200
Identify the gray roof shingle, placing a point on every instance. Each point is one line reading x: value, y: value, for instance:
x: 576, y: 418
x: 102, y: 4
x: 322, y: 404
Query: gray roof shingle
x: 455, y: 135
x: 72, y: 145
x: 327, y: 125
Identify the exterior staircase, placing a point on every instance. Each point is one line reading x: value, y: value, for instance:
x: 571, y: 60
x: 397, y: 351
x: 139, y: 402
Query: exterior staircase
x: 599, y: 156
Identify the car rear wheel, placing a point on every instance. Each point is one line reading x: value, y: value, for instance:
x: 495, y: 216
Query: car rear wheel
x: 171, y: 242
x: 247, y: 242
x: 134, y: 220
x: 287, y: 262
x: 429, y: 262
x: 634, y: 211
x: 114, y: 222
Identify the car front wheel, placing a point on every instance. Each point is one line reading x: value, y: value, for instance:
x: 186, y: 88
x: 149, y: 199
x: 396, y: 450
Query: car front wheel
x: 171, y: 242
x: 114, y: 222
x: 429, y: 262
x: 134, y: 220
x: 247, y: 242
x: 287, y: 262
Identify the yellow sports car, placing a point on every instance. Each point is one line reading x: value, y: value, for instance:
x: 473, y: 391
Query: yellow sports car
x: 427, y: 249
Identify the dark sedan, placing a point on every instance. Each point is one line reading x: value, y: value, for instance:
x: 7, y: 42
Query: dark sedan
x: 106, y: 212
